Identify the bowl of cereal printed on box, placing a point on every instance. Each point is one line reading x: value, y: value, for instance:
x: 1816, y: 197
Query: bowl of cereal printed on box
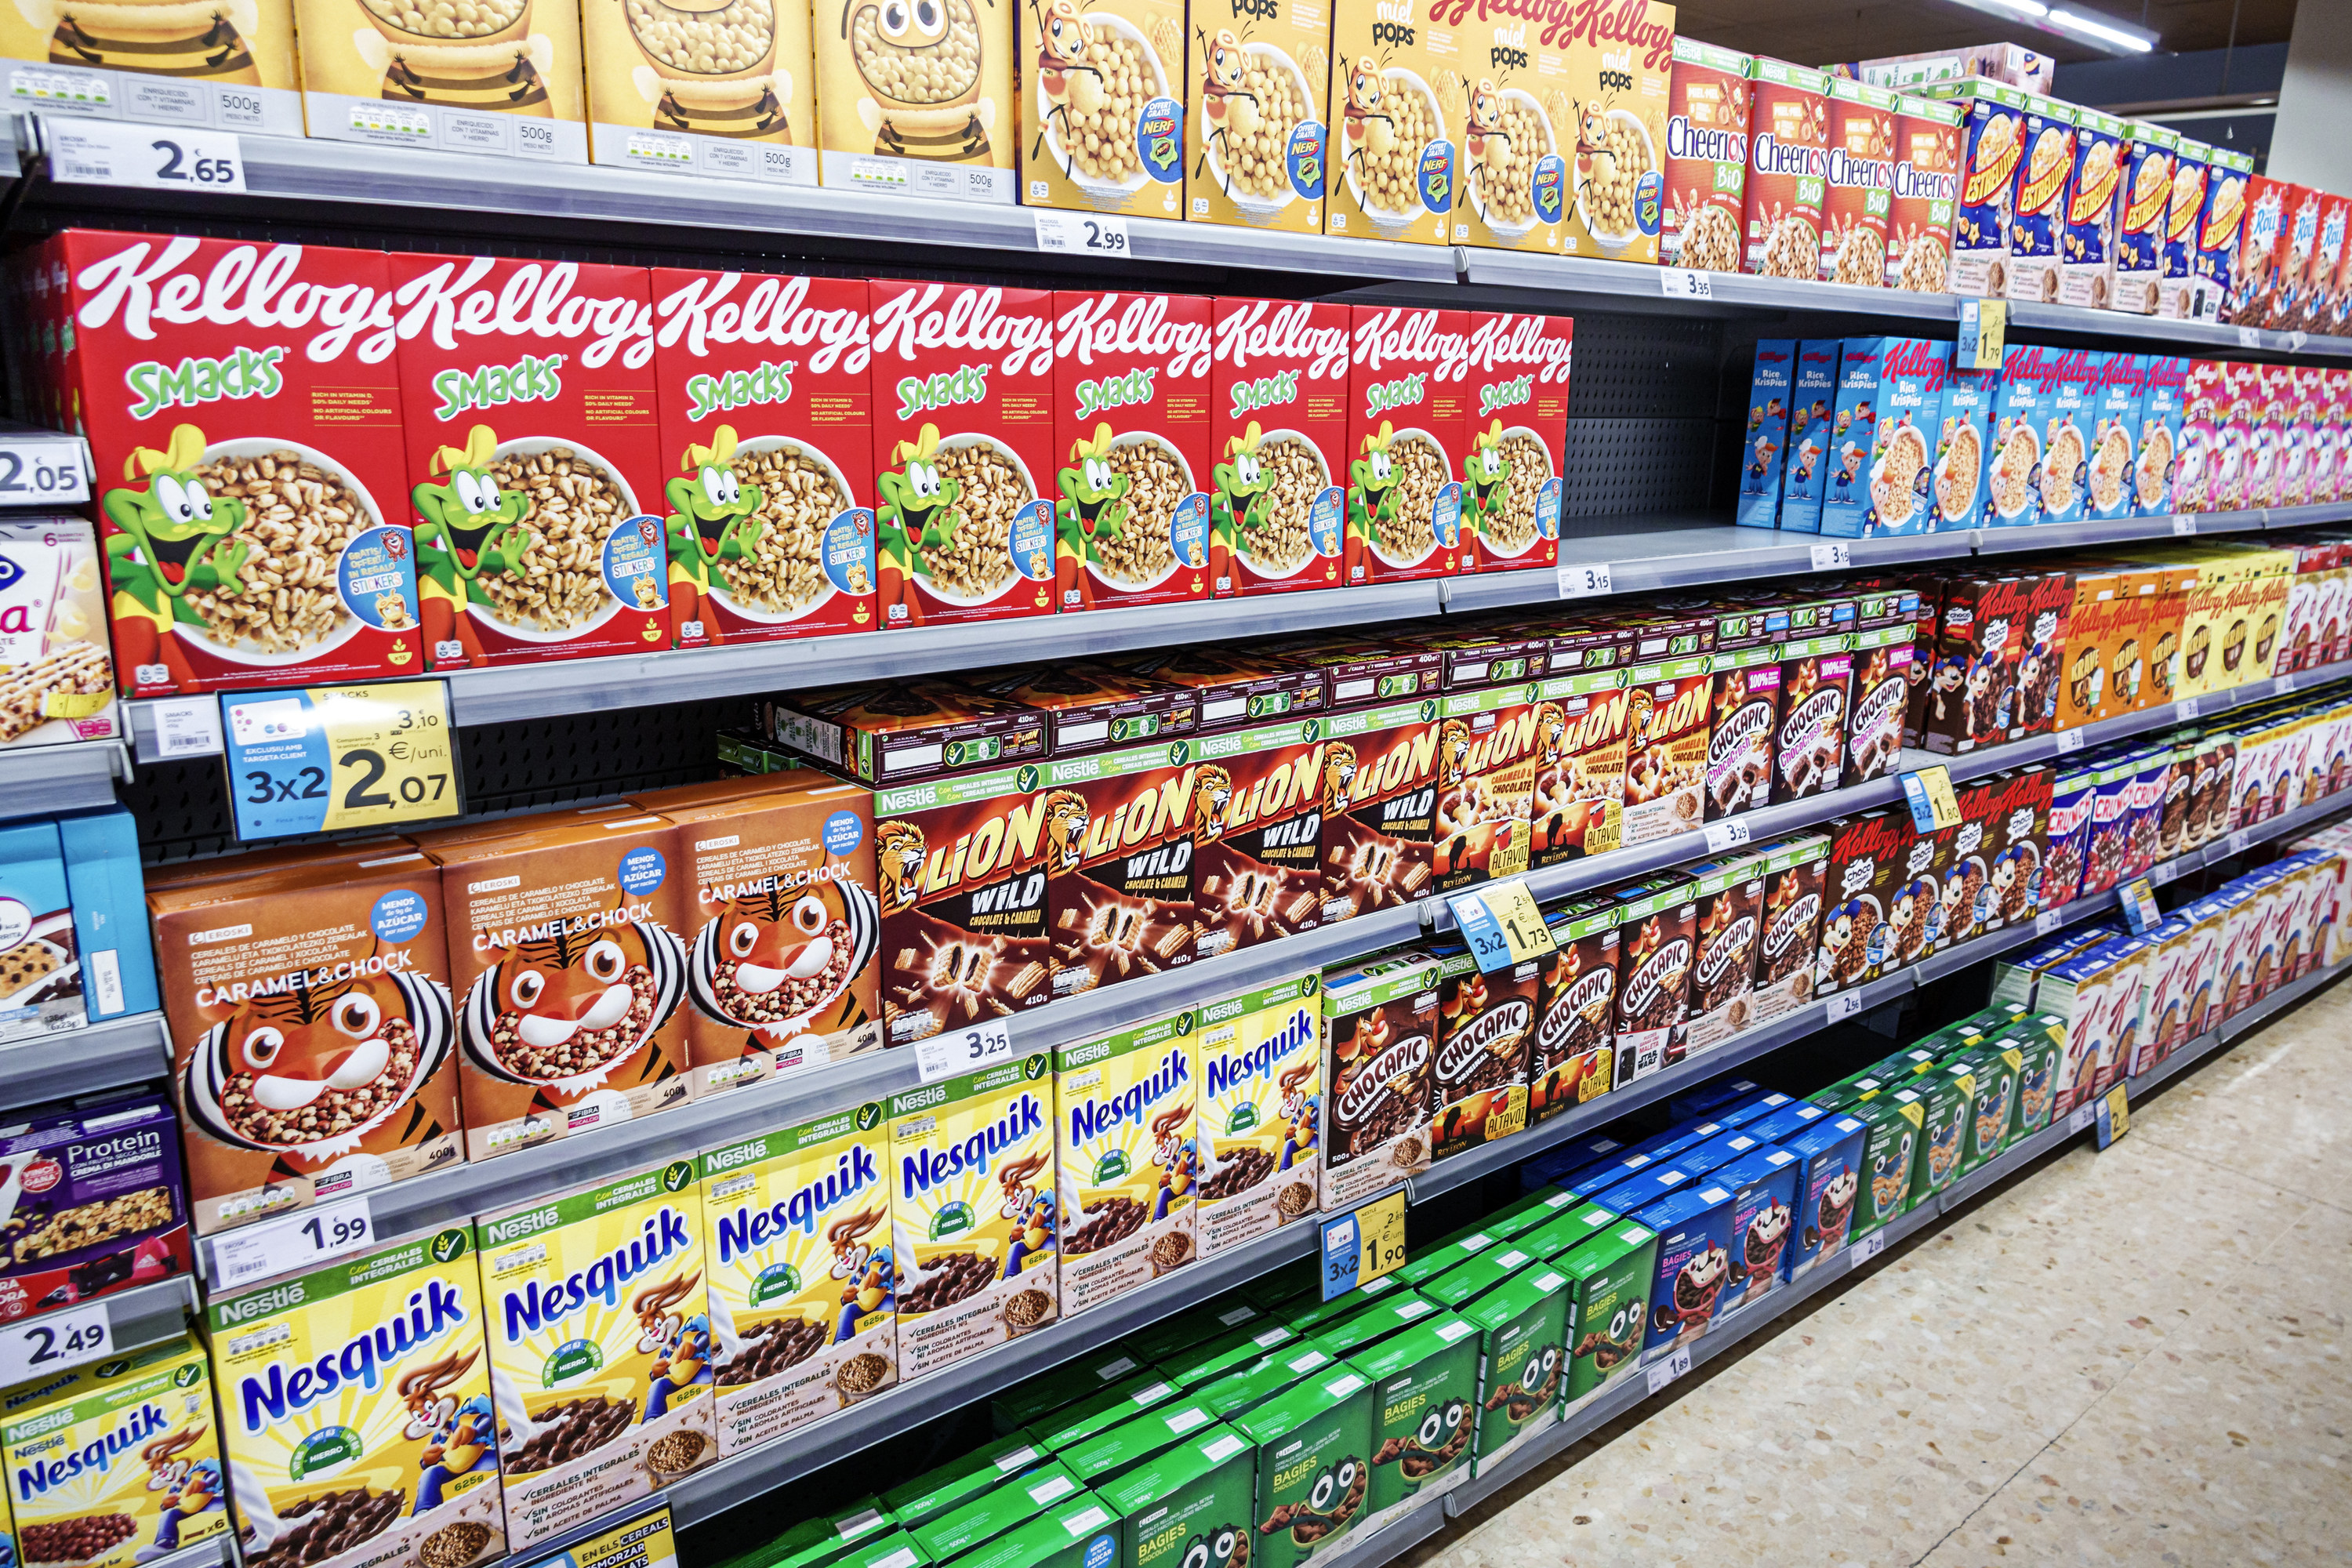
x: 1147, y: 550
x: 575, y: 500
x: 300, y: 512
x: 1898, y: 479
x: 1613, y: 154
x: 972, y: 557
x: 1957, y: 472
x: 1404, y: 533
x: 1263, y: 98
x: 1279, y: 541
x: 2014, y: 467
x: 1510, y: 142
x: 790, y: 567
x: 1110, y: 72
x: 1384, y: 174
x: 1515, y: 527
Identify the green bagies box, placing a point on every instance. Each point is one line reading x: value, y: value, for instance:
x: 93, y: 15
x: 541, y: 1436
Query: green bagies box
x: 1450, y: 1253
x: 2040, y: 1052
x: 962, y: 1478
x: 1245, y: 1390
x: 1195, y: 1497
x: 1204, y: 1363
x: 1572, y: 1227
x: 1522, y: 1329
x: 1944, y: 1098
x: 1081, y: 1531
x: 1314, y: 1465
x: 990, y: 1515
x: 1465, y: 1282
x: 1309, y: 1316
x: 1098, y: 1460
x: 808, y: 1544
x: 1425, y: 1407
x: 1531, y: 1211
x: 1114, y: 1405
x: 893, y: 1549
x: 1023, y: 1404
x: 1185, y: 1329
x: 1340, y: 1340
x: 1284, y: 1285
x: 1890, y: 1154
x: 1992, y: 1109
x: 1608, y: 1308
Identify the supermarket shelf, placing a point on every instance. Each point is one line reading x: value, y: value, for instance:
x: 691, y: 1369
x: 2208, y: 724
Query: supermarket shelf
x: 148, y: 1314
x: 50, y: 779
x: 121, y: 1051
x: 220, y: 1552
x: 40, y: 470
x: 2118, y: 530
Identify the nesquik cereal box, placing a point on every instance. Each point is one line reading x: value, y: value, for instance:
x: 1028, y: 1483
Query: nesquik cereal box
x: 1379, y: 1027
x: 357, y: 1410
x: 1277, y: 445
x: 803, y: 1280
x: 973, y: 1211
x: 1260, y: 1119
x: 1254, y: 117
x: 1129, y: 1160
x: 1408, y: 428
x: 1512, y: 493
x: 601, y: 1347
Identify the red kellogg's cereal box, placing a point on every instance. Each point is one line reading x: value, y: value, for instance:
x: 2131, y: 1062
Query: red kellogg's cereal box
x: 2322, y: 285
x: 2255, y: 274
x: 534, y: 455
x: 1131, y: 436
x: 237, y: 399
x: 1706, y: 157
x: 2298, y: 242
x: 767, y: 427
x: 1408, y: 425
x: 1277, y: 445
x: 963, y: 450
x: 1511, y: 489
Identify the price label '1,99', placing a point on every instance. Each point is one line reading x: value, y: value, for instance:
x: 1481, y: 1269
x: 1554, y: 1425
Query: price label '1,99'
x: 299, y: 1240
x: 328, y: 758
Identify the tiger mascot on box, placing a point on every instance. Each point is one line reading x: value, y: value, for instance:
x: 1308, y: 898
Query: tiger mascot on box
x: 567, y: 1013
x: 778, y: 961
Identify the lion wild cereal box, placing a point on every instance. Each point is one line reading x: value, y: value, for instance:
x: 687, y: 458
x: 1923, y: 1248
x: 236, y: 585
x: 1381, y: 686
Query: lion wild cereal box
x: 1519, y: 125
x: 1926, y: 193
x: 236, y: 73
x: 974, y: 1218
x: 1485, y: 1026
x: 1408, y: 427
x: 1120, y: 828
x: 1512, y: 493
x: 2144, y: 202
x: 528, y: 399
x: 506, y: 81
x: 118, y: 1462
x: 963, y: 451
x: 1255, y: 91
x: 700, y: 88
x: 1380, y: 1029
x: 2177, y: 295
x: 600, y: 1354
x: 1993, y: 143
x: 1131, y: 436
x: 2087, y: 239
x: 1583, y: 709
x: 1379, y: 806
x: 309, y: 1015
x: 1398, y: 97
x: 1669, y: 713
x: 1708, y: 95
x: 1129, y: 1167
x: 1102, y: 107
x: 1857, y: 198
x: 1257, y: 834
x: 765, y: 391
x: 803, y: 1281
x: 1260, y: 1117
x: 358, y: 1416
x: 1573, y: 1053
x: 1277, y: 445
x: 1489, y: 748
x: 2037, y: 228
x: 565, y: 950
x: 244, y: 427
x: 919, y: 103
x: 1620, y: 62
x: 1787, y: 170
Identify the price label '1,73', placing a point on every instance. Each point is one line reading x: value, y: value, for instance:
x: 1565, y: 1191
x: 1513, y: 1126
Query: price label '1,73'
x: 328, y: 758
x: 1501, y: 924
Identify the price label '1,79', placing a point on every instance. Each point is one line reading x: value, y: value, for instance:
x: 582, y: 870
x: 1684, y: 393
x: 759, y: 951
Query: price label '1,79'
x: 36, y: 1347
x: 328, y: 758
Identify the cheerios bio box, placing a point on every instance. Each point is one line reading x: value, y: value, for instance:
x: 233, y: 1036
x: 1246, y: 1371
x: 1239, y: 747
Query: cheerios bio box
x: 1927, y: 192
x: 1521, y: 130
x: 345, y: 1388
x: 1255, y: 131
x: 1131, y: 422
x: 1512, y: 493
x: 972, y: 1212
x: 601, y: 1346
x: 767, y: 449
x: 1621, y: 62
x: 232, y: 70
x: 506, y: 82
x: 1277, y: 444
x: 1857, y: 199
x: 535, y: 467
x: 1408, y: 427
x: 238, y: 401
x: 1259, y: 1121
x: 802, y: 1283
x: 1128, y: 1166
x: 1706, y: 156
x: 119, y: 1461
x: 919, y: 103
x: 702, y: 89
x: 1399, y: 94
x: 964, y: 452
x: 1788, y: 157
x: 1380, y: 1037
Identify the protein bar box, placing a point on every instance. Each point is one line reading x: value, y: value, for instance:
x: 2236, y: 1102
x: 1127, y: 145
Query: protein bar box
x: 1278, y: 451
x: 99, y: 1203
x: 56, y: 673
x: 1379, y: 1027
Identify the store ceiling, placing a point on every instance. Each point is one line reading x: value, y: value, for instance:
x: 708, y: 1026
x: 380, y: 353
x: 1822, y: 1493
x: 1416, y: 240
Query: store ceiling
x: 1817, y: 32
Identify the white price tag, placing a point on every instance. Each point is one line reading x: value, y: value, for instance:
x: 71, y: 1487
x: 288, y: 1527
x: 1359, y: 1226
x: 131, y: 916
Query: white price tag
x: 1673, y: 1367
x: 2250, y: 337
x: 154, y: 157
x: 1833, y: 557
x: 2240, y: 842
x: 2295, y: 341
x: 297, y: 1242
x: 2282, y: 685
x: 37, y: 468
x: 1083, y: 234
x: 2068, y: 740
x: 1844, y: 1005
x: 2185, y: 708
x: 1585, y: 580
x: 2047, y: 921
x: 1726, y: 835
x: 2083, y: 1116
x: 186, y: 726
x: 36, y: 1347
x: 1682, y: 283
x: 2183, y: 524
x: 961, y: 1051
x: 1868, y: 1248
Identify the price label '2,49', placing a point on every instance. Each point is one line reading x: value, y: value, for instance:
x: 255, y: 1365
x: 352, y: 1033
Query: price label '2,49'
x: 328, y: 758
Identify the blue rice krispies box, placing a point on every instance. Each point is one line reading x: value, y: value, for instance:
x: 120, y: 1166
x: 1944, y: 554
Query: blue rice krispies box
x: 1785, y: 1122
x: 1706, y: 1101
x: 1766, y: 440
x: 1861, y: 367
x: 1900, y: 497
x: 2116, y: 395
x: 1694, y: 1266
x: 1964, y: 447
x: 1832, y: 1152
x: 2067, y: 416
x: 1804, y: 477
x: 110, y: 906
x: 2013, y: 472
x: 1641, y: 1190
x: 1763, y: 1185
x: 2164, y: 403
x: 1558, y: 1163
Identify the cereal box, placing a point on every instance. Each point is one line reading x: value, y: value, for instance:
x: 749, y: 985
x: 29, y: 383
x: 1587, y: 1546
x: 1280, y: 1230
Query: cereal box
x: 1728, y: 944
x: 1260, y: 1117
x: 2163, y: 408
x: 1763, y: 446
x: 2177, y: 294
x: 920, y: 104
x: 564, y: 947
x: 280, y: 987
x: 1858, y: 195
x: 360, y: 1426
x: 1379, y: 807
x: 2300, y: 398
x: 964, y: 448
x: 1119, y: 828
x: 1744, y: 712
x: 117, y: 1462
x: 1925, y: 192
x: 1992, y: 140
x: 2205, y: 396
x: 2221, y: 219
x: 1102, y: 109
x: 1655, y: 949
x: 1132, y: 435
x: 505, y: 82
x: 2116, y: 395
x: 1581, y: 732
x: 1763, y: 1183
x: 803, y: 1278
x: 1812, y: 644
x: 1257, y: 834
x: 1668, y: 721
x: 1850, y: 437
x: 1787, y: 170
x: 2323, y: 284
x: 973, y: 1211
x: 2143, y: 205
x: 1708, y: 98
x: 2037, y: 228
x: 97, y: 1200
x: 1885, y: 655
x: 1788, y: 925
x: 1906, y: 428
x: 1830, y: 1149
x: 767, y: 433
x: 1520, y: 129
x: 56, y: 676
x: 236, y: 73
x: 1812, y: 400
x: 1864, y: 858
x: 2064, y: 389
x: 1277, y: 445
x: 1573, y: 1052
x: 1129, y: 1161
x: 1408, y: 430
x: 1398, y: 112
x: 1619, y: 59
x: 1489, y: 745
x: 1963, y: 441
x: 1254, y: 120
x: 2089, y: 237
x: 2262, y: 402
x: 2009, y: 63
x: 2260, y: 267
x: 703, y: 89
x: 1512, y: 493
x: 1486, y: 1027
x: 601, y: 1346
x: 201, y: 396
x: 1380, y: 1029
x: 2028, y: 384
x: 1695, y: 1237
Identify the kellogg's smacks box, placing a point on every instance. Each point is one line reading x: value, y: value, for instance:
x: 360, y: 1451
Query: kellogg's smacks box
x: 244, y: 419
x: 963, y: 451
x: 1512, y: 493
x: 1993, y: 137
x: 2038, y: 204
x: 1858, y: 193
x: 1708, y: 98
x: 973, y: 1214
x: 1277, y: 445
x: 2144, y: 213
x: 2094, y: 205
x: 1926, y: 195
x: 767, y: 432
x: 1787, y: 173
x: 359, y: 1421
x: 1408, y: 427
x: 1261, y: 1109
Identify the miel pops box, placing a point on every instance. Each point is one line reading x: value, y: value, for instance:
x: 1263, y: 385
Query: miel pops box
x: 1129, y: 1158
x: 505, y: 82
x: 919, y: 103
x: 1255, y: 130
x: 1277, y: 445
x: 1620, y: 59
x: 1260, y: 1114
x: 1512, y: 493
x: 726, y: 89
x: 1102, y: 106
x: 1397, y: 100
x: 1520, y: 130
x: 1408, y: 431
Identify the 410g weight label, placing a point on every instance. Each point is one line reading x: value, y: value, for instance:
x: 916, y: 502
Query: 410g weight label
x: 328, y: 758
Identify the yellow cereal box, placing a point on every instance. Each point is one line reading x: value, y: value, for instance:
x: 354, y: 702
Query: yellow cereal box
x: 1397, y: 98
x: 1620, y: 62
x: 972, y: 1212
x: 1129, y: 1162
x: 917, y: 99
x: 1102, y: 107
x: 229, y: 64
x: 1255, y: 87
x: 803, y: 1285
x: 116, y: 1462
x: 600, y: 1346
x: 355, y: 1401
x: 1520, y: 128
x: 463, y: 75
x: 1261, y: 1090
x: 703, y: 87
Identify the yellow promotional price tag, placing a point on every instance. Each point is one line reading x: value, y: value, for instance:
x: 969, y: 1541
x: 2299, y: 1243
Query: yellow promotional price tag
x: 1381, y: 1223
x: 1929, y: 794
x: 1984, y: 330
x: 1501, y: 923
x: 328, y: 758
x: 2115, y: 1115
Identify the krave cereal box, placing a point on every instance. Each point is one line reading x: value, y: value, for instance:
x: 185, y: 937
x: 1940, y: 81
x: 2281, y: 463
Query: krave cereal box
x: 1255, y: 136
x: 1129, y: 1164
x: 1277, y: 445
x: 1708, y: 99
x: 1408, y: 426
x: 726, y: 89
x: 1261, y: 1111
x: 1512, y: 493
x: 505, y: 82
x: 1102, y: 109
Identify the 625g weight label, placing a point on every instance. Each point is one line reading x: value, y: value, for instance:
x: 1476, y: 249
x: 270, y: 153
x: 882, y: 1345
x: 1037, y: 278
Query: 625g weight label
x: 329, y: 758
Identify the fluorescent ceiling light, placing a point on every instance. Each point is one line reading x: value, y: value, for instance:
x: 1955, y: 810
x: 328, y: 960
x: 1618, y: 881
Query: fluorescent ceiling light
x: 2032, y: 10
x: 2099, y: 31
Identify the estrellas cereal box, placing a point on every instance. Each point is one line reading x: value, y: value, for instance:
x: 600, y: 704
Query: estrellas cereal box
x: 1857, y: 196
x: 1255, y: 136
x: 1102, y: 106
x: 1261, y: 1111
x: 919, y: 102
x: 1512, y: 493
x: 2143, y: 211
x: 1926, y: 195
x: 2175, y: 291
x: 2220, y: 220
x: 2087, y: 238
x: 1129, y: 1167
x: 1277, y: 445
x: 1380, y: 1029
x: 1395, y: 114
x: 359, y: 1425
x: 1408, y: 428
x: 1620, y: 58
x: 726, y: 89
x: 1787, y: 170
x: 2038, y: 204
x: 505, y: 82
x: 1708, y: 98
x: 1992, y: 141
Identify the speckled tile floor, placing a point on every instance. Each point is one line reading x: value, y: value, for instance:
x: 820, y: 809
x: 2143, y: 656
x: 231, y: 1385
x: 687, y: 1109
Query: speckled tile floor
x: 2131, y: 1357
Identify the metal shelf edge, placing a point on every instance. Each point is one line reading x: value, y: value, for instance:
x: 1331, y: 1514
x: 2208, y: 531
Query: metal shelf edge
x: 119, y: 1051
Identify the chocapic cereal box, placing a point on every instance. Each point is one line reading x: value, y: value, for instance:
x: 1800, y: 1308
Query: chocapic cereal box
x: 1379, y: 806
x: 767, y: 435
x: 1408, y: 426
x: 600, y: 1353
x: 243, y: 426
x: 1277, y: 445
x: 1926, y: 195
x: 1260, y: 1117
x: 309, y: 1015
x: 1396, y: 115
x: 803, y: 1280
x: 358, y: 1421
x: 974, y: 1218
x: 1129, y: 1167
x: 1512, y: 493
x: 1518, y: 124
x: 1486, y: 1030
x: 527, y: 394
x: 234, y: 70
x: 963, y: 451
x: 1858, y: 193
x: 1788, y: 155
x: 1102, y: 109
x: 505, y: 82
x: 564, y: 947
x: 1620, y: 59
x: 117, y: 1462
x: 1379, y: 1026
x: 726, y: 89
x: 1705, y: 160
x: 1255, y: 96
x: 919, y: 102
x: 1574, y: 1054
